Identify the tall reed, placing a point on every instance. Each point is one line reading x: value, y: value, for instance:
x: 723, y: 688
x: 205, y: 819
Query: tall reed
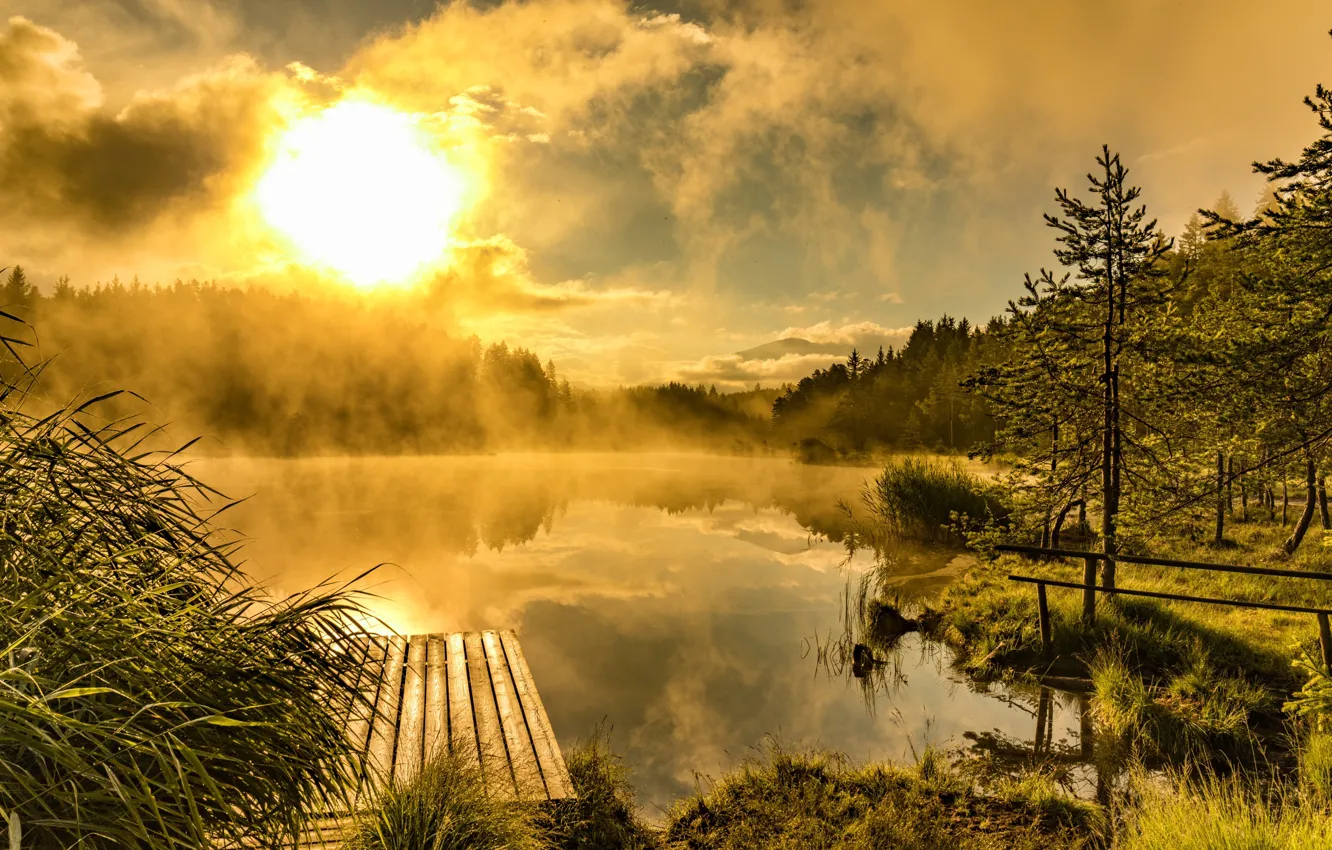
x: 151, y: 696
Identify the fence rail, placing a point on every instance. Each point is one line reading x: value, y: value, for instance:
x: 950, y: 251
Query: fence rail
x: 1090, y: 589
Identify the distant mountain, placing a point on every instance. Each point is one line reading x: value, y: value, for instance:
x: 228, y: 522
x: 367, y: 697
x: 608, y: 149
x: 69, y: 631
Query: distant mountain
x: 793, y: 345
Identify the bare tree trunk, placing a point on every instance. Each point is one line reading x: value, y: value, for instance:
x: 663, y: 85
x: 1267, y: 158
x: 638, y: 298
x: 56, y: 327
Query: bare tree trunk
x: 1220, y: 498
x: 1285, y: 499
x: 1271, y: 504
x: 1108, y: 500
x: 1306, y: 517
x: 1059, y: 522
x: 1230, y: 485
x: 1322, y: 502
x: 1082, y: 510
x: 1244, y: 495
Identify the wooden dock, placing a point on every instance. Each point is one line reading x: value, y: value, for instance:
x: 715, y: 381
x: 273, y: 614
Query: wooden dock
x: 468, y: 693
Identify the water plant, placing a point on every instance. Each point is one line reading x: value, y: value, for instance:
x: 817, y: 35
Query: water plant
x: 785, y: 798
x: 931, y: 499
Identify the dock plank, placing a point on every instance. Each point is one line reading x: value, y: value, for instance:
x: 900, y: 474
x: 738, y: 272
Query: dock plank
x: 522, y: 758
x: 383, y: 732
x: 436, y: 699
x: 462, y: 726
x: 367, y: 681
x: 489, y: 735
x: 549, y: 757
x: 411, y: 723
x: 359, y: 726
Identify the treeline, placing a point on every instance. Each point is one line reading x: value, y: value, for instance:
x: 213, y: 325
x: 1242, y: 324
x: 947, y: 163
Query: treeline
x: 909, y: 399
x: 291, y: 374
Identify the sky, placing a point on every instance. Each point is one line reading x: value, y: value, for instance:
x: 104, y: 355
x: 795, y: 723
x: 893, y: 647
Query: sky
x: 642, y: 190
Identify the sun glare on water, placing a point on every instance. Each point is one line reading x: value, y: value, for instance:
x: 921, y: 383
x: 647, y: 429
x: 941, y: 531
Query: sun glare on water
x: 361, y: 189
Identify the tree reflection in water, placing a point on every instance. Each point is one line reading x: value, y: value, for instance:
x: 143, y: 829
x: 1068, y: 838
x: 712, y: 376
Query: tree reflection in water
x: 868, y: 651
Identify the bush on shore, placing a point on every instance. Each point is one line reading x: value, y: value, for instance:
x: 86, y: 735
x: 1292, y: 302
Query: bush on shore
x: 931, y: 500
x: 603, y: 813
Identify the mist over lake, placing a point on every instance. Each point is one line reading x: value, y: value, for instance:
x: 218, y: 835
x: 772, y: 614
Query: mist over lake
x: 678, y: 598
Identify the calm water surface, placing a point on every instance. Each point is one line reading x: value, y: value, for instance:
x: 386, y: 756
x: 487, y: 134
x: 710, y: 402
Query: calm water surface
x: 682, y: 600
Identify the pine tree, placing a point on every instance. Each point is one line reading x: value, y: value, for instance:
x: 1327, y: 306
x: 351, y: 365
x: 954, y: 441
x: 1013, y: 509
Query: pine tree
x: 1060, y: 394
x: 18, y: 292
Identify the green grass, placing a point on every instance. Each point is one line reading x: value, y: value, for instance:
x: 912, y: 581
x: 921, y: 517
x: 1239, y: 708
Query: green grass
x: 1186, y: 676
x: 922, y: 498
x: 1212, y: 813
x: 786, y: 799
x: 993, y: 622
x: 1315, y: 772
x: 1193, y: 714
x: 444, y: 807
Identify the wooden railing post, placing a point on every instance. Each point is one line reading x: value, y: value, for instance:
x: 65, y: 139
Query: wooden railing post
x: 1089, y: 593
x: 1047, y: 646
x: 1325, y: 641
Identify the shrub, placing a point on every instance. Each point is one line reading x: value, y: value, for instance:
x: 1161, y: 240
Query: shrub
x: 1198, y: 712
x: 1313, y: 701
x: 602, y: 814
x: 931, y: 499
x: 151, y: 697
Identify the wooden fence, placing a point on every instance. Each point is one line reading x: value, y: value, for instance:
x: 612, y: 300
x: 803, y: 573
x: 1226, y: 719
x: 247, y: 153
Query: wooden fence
x: 1089, y: 588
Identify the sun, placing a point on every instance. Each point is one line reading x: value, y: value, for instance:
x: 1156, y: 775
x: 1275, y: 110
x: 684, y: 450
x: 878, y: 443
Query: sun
x: 361, y: 188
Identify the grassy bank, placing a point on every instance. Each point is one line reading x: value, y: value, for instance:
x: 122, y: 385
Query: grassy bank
x: 784, y: 799
x: 1184, y: 678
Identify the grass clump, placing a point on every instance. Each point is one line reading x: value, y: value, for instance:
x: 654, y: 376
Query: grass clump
x: 1198, y: 713
x: 785, y: 799
x: 443, y: 807
x: 1315, y: 772
x: 602, y: 814
x: 1211, y: 813
x: 150, y: 696
x: 931, y: 499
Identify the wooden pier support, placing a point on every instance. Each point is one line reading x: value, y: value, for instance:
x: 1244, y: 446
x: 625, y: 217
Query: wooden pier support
x: 1047, y: 645
x: 1089, y: 592
x: 1325, y: 641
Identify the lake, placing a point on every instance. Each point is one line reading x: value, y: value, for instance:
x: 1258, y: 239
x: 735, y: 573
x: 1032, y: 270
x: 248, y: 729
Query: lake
x: 683, y: 601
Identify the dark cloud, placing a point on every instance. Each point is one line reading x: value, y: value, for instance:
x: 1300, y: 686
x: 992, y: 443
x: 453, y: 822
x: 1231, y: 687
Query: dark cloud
x: 740, y: 154
x: 66, y: 161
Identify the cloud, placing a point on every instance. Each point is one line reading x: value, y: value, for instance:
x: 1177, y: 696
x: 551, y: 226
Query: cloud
x: 489, y: 275
x: 733, y: 371
x: 758, y: 154
x: 73, y: 172
x: 851, y: 334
